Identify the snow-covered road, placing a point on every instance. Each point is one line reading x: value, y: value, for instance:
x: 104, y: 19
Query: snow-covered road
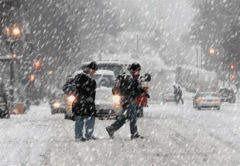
x: 174, y: 135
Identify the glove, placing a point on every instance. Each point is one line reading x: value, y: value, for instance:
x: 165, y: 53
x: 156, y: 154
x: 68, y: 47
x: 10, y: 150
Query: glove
x: 147, y: 95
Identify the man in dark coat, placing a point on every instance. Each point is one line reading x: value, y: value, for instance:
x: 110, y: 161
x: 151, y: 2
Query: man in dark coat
x: 129, y: 89
x: 83, y: 107
x: 175, y: 93
x: 179, y: 93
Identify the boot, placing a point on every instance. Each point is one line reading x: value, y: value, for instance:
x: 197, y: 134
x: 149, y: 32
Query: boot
x: 110, y: 133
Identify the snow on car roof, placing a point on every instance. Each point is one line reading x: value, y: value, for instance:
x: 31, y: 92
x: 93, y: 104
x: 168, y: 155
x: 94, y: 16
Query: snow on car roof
x: 105, y: 72
x: 105, y: 62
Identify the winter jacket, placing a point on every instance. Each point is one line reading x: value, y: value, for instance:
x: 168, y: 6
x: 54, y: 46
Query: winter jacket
x: 85, y: 90
x: 129, y: 86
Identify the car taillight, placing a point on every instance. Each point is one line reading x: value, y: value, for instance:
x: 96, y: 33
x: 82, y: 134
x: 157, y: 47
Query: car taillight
x: 218, y: 100
x: 200, y: 100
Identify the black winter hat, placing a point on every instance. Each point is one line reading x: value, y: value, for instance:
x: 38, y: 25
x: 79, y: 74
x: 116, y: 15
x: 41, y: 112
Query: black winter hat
x: 135, y: 67
x: 92, y: 65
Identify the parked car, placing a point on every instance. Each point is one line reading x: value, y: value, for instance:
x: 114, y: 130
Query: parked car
x: 4, y: 109
x: 227, y: 95
x: 206, y: 100
x: 168, y: 96
x: 57, y: 102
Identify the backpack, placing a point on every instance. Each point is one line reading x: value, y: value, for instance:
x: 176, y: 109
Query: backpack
x: 68, y: 87
x: 121, y: 85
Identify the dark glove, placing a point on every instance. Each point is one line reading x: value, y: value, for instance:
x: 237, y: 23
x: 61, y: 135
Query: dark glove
x: 147, y: 95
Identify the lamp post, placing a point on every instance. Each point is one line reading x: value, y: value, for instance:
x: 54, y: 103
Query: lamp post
x: 51, y: 72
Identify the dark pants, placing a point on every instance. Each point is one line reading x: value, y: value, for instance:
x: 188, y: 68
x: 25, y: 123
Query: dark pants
x: 89, y: 125
x: 129, y: 112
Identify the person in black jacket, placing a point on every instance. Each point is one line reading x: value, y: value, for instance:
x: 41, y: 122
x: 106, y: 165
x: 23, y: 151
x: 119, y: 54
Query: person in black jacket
x: 83, y: 107
x: 179, y: 93
x: 175, y: 93
x: 129, y: 89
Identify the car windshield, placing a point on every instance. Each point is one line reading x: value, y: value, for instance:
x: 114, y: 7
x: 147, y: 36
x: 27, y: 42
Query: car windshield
x: 117, y: 69
x: 225, y: 91
x: 208, y: 95
x: 104, y: 80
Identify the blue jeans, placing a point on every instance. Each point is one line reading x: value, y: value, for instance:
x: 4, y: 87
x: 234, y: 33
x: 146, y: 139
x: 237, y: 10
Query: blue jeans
x: 89, y: 126
x: 130, y: 109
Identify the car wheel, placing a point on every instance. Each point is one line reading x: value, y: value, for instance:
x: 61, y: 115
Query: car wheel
x: 53, y: 112
x: 66, y: 116
x: 199, y: 108
x: 218, y: 108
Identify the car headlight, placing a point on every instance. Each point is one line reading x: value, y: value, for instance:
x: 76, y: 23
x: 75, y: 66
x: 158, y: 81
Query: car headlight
x: 56, y: 105
x: 116, y: 99
x: 71, y: 98
x: 218, y: 100
x: 200, y: 100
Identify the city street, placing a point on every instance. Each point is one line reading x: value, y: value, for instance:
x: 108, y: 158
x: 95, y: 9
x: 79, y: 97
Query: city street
x: 174, y: 135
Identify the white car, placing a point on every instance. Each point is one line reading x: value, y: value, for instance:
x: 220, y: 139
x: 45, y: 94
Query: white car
x: 206, y: 100
x: 107, y: 105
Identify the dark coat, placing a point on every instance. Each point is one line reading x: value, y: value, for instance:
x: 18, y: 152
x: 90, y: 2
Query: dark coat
x: 129, y: 86
x: 85, y: 91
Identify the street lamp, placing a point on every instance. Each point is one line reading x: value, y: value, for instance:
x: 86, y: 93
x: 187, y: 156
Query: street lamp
x: 16, y: 31
x: 212, y: 51
x: 37, y: 64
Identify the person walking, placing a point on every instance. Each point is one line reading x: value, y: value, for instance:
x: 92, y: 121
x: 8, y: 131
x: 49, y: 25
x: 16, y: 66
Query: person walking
x: 175, y: 93
x: 179, y: 93
x: 83, y: 108
x: 128, y: 87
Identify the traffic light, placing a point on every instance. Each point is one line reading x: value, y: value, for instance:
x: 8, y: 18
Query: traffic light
x: 233, y: 77
x: 32, y: 77
x: 232, y: 67
x: 37, y: 64
x: 14, y: 56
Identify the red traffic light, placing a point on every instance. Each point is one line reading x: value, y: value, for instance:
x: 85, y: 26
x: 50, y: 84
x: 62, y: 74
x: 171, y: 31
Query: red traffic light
x: 232, y: 66
x: 14, y: 56
x: 32, y: 77
x: 37, y: 64
x: 233, y: 77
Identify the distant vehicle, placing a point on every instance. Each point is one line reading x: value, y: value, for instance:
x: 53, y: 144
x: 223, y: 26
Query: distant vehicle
x: 168, y: 95
x: 57, y: 103
x: 194, y: 79
x: 162, y: 86
x: 4, y: 109
x: 206, y: 100
x: 107, y: 105
x: 227, y: 95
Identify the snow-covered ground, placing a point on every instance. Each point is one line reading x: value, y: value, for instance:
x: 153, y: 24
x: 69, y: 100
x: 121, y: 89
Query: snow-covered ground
x: 174, y: 135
